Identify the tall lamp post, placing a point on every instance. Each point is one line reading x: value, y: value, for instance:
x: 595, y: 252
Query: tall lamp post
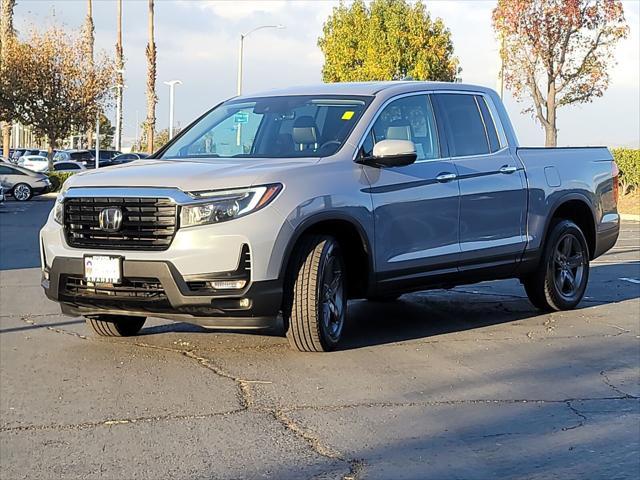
x: 240, y: 53
x: 119, y: 91
x: 172, y: 85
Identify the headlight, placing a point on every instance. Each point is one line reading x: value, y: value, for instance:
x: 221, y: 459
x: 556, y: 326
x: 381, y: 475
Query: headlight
x: 58, y: 210
x: 226, y: 205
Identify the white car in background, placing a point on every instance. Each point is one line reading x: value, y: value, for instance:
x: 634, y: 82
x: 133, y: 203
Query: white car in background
x: 36, y: 163
x: 68, y: 167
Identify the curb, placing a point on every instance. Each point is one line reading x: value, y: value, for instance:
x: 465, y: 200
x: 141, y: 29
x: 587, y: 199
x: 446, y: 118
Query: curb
x: 630, y: 216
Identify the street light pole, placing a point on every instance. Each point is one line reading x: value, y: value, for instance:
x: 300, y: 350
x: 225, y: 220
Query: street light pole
x: 98, y: 139
x: 118, y: 110
x: 172, y: 85
x: 241, y: 52
x: 118, y: 134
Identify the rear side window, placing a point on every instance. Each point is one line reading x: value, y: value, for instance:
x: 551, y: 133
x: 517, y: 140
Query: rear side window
x: 10, y: 171
x: 463, y: 123
x: 80, y: 156
x: 66, y: 166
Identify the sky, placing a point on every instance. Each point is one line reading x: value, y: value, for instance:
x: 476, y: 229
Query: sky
x: 197, y: 43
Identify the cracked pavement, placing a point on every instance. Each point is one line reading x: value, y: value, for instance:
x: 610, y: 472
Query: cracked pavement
x: 468, y: 383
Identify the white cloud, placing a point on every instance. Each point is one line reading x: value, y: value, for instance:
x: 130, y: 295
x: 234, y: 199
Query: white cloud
x: 235, y: 10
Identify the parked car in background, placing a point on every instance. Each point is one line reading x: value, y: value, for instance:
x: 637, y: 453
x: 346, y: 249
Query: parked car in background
x: 68, y: 167
x: 18, y: 153
x: 22, y: 183
x: 1, y: 192
x: 128, y: 157
x: 82, y: 156
x: 35, y: 163
x: 106, y: 158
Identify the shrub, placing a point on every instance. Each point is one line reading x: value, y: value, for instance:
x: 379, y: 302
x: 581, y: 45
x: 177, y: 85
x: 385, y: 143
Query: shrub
x: 628, y: 161
x: 57, y: 179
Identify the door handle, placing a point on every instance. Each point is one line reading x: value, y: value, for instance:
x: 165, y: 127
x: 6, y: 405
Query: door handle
x: 507, y: 170
x: 446, y: 177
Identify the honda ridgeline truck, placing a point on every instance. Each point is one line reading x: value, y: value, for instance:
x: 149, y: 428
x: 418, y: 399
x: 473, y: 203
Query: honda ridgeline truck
x: 275, y: 209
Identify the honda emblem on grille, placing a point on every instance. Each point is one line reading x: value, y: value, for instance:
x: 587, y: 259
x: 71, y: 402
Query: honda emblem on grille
x: 110, y: 219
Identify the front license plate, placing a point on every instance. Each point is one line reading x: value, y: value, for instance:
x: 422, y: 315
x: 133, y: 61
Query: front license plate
x: 102, y: 269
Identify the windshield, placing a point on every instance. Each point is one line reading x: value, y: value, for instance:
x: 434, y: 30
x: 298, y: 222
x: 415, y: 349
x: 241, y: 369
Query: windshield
x: 271, y: 127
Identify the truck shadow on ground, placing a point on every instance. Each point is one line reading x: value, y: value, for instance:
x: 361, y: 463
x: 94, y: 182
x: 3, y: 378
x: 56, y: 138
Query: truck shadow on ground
x: 530, y: 431
x: 433, y: 313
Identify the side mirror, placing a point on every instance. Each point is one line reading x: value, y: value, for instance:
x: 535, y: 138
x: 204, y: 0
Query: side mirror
x: 392, y: 153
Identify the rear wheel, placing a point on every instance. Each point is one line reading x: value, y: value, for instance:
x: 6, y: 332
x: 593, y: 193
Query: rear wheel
x: 22, y: 192
x: 318, y: 302
x: 116, y: 325
x: 561, y: 279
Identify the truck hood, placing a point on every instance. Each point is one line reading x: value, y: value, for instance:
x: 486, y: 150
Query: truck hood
x: 189, y: 175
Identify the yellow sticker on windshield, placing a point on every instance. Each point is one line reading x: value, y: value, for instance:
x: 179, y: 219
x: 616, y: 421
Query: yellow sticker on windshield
x: 347, y: 115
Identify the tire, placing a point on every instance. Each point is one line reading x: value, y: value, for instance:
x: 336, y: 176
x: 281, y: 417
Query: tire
x: 561, y: 279
x: 22, y: 192
x: 318, y: 301
x: 116, y: 325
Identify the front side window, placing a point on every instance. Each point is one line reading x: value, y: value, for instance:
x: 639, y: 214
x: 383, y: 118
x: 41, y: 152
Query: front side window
x: 463, y: 123
x: 271, y: 127
x: 408, y: 118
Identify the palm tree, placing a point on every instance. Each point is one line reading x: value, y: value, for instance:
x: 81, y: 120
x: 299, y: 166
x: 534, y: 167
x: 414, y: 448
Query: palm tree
x: 119, y: 77
x: 6, y: 33
x: 87, y: 45
x: 152, y: 99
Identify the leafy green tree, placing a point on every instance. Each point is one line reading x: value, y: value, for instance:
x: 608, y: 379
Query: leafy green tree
x: 61, y: 94
x: 107, y: 132
x: 386, y: 40
x: 160, y: 139
x: 7, y: 34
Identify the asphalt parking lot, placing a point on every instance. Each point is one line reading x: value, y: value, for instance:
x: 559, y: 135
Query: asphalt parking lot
x: 469, y: 383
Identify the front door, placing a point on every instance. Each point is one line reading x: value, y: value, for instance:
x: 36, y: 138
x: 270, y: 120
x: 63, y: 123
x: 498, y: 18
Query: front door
x: 493, y: 195
x: 416, y: 206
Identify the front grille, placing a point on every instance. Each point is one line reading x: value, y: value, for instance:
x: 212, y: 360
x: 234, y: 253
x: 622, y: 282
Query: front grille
x: 147, y: 223
x: 147, y: 289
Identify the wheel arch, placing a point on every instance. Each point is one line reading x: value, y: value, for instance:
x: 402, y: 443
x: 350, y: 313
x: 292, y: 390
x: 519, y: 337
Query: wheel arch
x: 353, y: 239
x: 577, y: 208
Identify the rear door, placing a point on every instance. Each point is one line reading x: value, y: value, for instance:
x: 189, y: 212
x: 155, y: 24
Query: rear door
x: 493, y: 199
x: 416, y: 206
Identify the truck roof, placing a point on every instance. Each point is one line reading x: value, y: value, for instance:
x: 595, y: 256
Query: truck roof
x: 367, y: 88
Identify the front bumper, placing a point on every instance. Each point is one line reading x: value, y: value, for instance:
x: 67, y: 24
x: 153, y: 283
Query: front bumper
x: 173, y: 296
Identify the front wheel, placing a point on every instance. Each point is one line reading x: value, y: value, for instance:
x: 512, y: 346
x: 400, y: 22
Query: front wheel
x: 22, y: 192
x: 116, y: 325
x: 318, y: 302
x: 561, y: 279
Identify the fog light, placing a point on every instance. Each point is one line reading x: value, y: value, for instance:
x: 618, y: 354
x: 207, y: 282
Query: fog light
x: 45, y: 274
x: 228, y: 284
x: 244, y: 302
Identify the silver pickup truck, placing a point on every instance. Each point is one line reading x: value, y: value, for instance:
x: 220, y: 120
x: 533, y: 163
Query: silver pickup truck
x: 272, y: 210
